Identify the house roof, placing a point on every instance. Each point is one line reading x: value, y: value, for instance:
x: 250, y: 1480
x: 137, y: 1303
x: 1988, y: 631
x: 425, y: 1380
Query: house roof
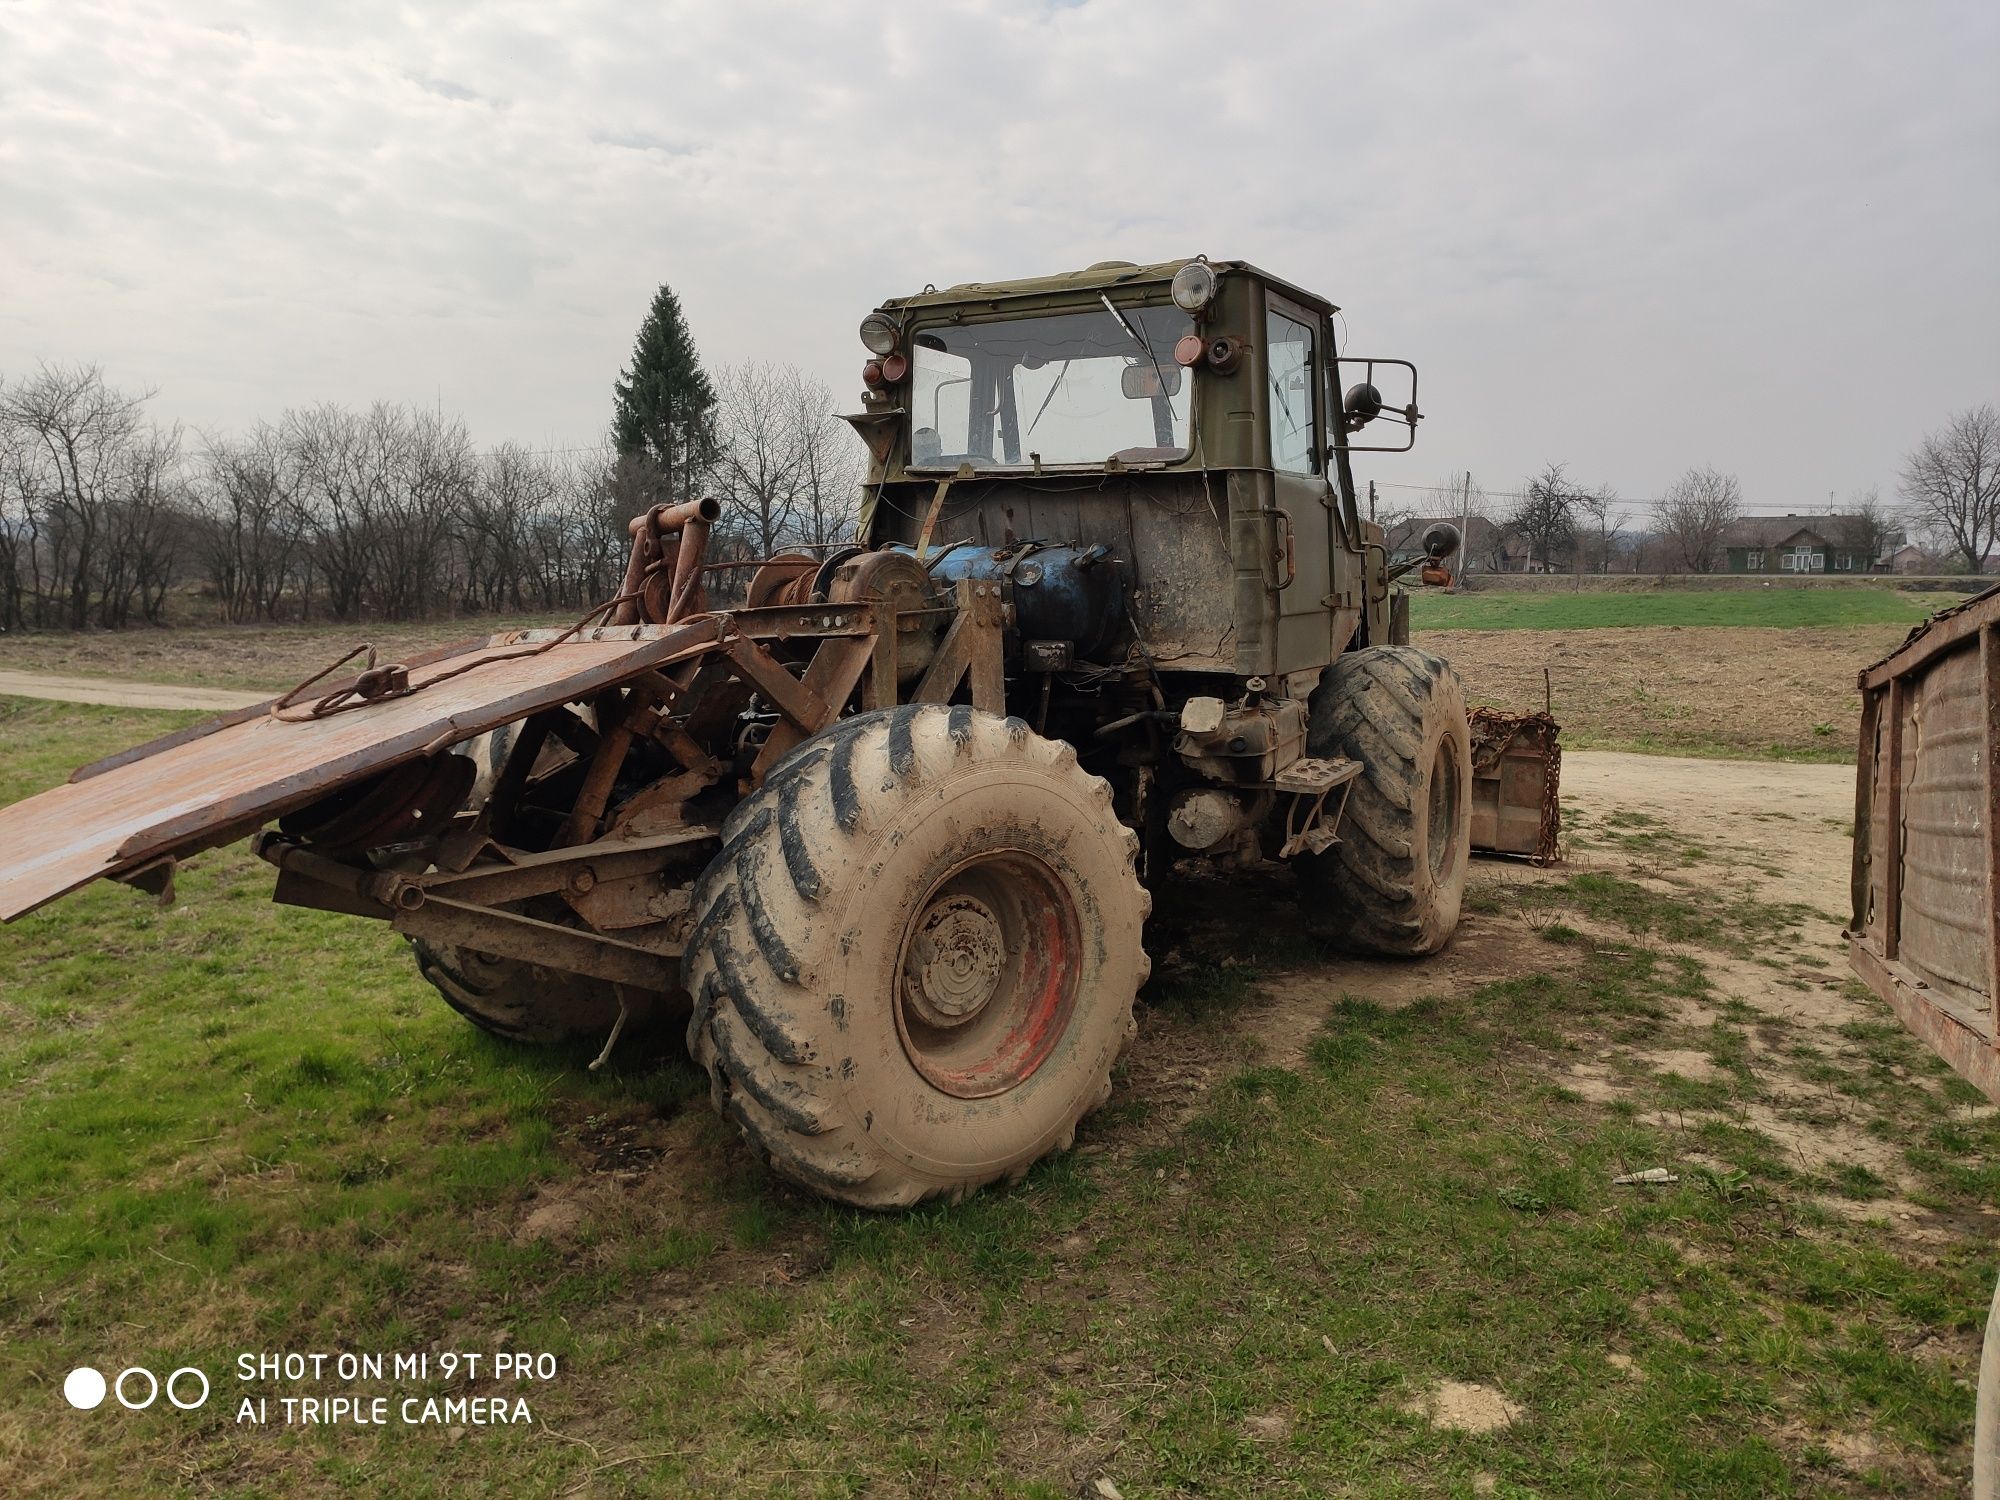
x: 1775, y: 531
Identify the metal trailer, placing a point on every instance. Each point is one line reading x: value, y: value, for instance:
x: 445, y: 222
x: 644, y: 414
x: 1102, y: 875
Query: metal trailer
x: 1925, y: 933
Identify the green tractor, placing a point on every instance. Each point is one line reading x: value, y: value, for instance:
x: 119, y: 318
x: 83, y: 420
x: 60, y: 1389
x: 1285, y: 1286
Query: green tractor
x: 881, y: 835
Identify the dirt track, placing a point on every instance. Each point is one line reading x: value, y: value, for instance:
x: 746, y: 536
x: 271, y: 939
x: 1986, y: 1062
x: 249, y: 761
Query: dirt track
x: 120, y: 694
x: 1792, y: 818
x: 1764, y: 834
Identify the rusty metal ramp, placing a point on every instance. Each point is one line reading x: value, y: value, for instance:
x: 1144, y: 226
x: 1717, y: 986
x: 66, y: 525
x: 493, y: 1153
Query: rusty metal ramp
x: 221, y: 779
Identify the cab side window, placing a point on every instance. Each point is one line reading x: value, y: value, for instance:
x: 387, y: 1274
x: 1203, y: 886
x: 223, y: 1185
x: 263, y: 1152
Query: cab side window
x: 1289, y: 367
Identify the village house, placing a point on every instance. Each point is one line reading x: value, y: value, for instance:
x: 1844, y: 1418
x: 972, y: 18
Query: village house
x: 1802, y: 544
x: 1910, y: 558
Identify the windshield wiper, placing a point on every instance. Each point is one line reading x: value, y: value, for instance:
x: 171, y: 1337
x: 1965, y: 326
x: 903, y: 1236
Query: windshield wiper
x: 1061, y: 376
x: 1285, y: 405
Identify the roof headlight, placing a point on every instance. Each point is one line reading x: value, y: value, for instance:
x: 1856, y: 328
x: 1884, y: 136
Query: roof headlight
x: 879, y: 334
x: 1194, y: 286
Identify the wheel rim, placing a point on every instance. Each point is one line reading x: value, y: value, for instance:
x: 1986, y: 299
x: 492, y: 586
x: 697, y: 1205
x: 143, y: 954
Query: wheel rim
x: 986, y: 975
x: 1441, y: 836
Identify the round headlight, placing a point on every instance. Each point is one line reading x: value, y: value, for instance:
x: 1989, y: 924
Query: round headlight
x: 1194, y: 286
x: 878, y: 333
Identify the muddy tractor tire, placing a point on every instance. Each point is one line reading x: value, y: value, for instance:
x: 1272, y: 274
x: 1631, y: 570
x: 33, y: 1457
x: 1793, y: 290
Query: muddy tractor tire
x: 915, y: 957
x: 1394, y: 883
x: 523, y: 1002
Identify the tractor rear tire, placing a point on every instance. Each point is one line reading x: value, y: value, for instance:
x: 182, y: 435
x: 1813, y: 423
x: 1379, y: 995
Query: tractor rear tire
x: 1395, y: 882
x: 915, y: 956
x: 524, y: 1002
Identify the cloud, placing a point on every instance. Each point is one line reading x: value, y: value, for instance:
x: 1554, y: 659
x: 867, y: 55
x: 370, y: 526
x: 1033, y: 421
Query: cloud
x: 1629, y: 238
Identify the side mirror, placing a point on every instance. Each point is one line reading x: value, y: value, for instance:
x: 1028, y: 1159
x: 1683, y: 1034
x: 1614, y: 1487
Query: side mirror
x: 1440, y: 541
x: 1364, y: 403
x: 1361, y: 405
x: 1143, y: 382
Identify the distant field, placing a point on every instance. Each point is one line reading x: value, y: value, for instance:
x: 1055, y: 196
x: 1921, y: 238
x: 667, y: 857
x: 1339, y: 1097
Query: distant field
x: 1748, y: 693
x: 1779, y: 608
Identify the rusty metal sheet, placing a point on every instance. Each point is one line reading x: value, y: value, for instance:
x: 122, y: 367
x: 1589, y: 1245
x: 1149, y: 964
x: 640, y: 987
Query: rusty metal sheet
x: 220, y: 780
x: 1516, y: 771
x: 1925, y: 932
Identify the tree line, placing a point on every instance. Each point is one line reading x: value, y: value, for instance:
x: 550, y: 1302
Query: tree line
x: 1949, y: 494
x: 109, y: 519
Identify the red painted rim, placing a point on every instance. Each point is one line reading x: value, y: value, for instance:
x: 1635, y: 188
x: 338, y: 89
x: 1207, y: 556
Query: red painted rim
x: 987, y: 974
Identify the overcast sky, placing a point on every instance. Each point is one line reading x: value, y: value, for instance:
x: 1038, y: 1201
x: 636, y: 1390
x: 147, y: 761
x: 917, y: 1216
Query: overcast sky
x: 1628, y: 237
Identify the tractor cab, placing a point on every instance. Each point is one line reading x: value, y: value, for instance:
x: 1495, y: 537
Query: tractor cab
x: 1189, y: 423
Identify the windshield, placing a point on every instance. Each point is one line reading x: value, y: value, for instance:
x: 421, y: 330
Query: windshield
x: 1068, y: 388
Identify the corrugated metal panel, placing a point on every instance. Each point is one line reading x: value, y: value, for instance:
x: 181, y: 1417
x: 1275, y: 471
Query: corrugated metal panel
x: 197, y: 789
x: 1926, y: 927
x: 1945, y: 878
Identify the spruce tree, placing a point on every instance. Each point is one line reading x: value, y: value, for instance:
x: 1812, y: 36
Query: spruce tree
x: 663, y: 400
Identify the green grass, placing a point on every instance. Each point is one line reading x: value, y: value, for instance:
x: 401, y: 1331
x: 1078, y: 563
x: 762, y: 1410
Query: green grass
x: 1786, y: 608
x: 231, y: 1126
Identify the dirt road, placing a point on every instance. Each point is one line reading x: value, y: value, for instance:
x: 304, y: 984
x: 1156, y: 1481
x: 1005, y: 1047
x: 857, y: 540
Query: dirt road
x: 1794, y: 819
x: 121, y: 694
x: 1712, y: 837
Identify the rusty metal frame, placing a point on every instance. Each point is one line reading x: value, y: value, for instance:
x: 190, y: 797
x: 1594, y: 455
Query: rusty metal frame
x: 1497, y: 738
x: 606, y: 896
x: 608, y: 881
x: 469, y: 909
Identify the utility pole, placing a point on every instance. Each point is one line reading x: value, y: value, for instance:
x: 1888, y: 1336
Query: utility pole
x: 1464, y: 533
x: 1371, y: 499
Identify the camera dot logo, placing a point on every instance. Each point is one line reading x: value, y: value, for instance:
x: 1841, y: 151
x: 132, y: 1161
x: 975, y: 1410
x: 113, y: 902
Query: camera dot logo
x: 136, y: 1388
x: 84, y: 1388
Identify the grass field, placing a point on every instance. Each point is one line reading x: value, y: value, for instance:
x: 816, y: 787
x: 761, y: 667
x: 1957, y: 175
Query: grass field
x: 1786, y: 609
x: 229, y: 1126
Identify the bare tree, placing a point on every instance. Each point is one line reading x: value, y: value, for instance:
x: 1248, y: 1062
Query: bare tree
x: 150, y: 521
x: 1597, y: 536
x: 761, y: 448
x: 1695, y: 512
x: 20, y: 513
x: 327, y: 448
x: 601, y: 494
x: 81, y: 433
x: 1545, y: 515
x: 252, y: 537
x: 1952, y: 483
x: 830, y: 467
x: 514, y: 487
x: 425, y: 468
x: 1865, y: 528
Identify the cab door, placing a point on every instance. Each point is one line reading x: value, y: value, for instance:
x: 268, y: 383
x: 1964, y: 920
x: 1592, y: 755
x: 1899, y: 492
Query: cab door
x: 1302, y: 495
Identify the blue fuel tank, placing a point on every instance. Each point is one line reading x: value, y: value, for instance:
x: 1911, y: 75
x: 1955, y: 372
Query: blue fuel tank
x: 1060, y: 593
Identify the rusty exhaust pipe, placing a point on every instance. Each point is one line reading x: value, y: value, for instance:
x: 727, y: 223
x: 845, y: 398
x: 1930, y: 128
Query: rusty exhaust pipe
x: 670, y: 518
x: 691, y: 519
x: 694, y: 528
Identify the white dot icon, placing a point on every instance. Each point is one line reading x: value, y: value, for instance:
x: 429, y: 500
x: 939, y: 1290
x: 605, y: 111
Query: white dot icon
x: 84, y: 1388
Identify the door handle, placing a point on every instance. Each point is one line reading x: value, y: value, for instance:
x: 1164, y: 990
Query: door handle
x: 1287, y: 552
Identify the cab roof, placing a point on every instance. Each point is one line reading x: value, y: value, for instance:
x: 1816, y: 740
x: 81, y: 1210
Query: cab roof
x: 1103, y: 276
